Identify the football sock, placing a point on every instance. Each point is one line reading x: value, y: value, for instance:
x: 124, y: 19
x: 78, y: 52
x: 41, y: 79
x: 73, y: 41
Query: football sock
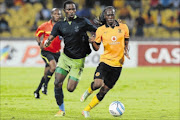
x: 59, y: 96
x: 61, y: 107
x: 40, y: 84
x: 92, y: 104
x: 100, y: 96
x: 48, y: 77
x: 90, y: 90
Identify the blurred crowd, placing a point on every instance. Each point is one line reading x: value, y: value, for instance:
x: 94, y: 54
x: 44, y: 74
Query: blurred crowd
x: 145, y: 18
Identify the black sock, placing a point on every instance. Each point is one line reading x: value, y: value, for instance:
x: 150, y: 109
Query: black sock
x: 92, y: 86
x: 40, y: 84
x: 59, y: 95
x: 48, y: 77
x: 100, y: 96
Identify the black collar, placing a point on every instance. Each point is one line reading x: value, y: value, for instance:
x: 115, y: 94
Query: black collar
x: 116, y: 24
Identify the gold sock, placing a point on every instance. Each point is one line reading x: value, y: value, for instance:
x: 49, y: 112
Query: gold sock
x: 92, y: 104
x: 90, y: 90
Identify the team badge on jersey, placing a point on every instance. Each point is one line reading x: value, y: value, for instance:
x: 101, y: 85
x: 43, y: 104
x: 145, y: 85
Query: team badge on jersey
x: 98, y: 73
x: 64, y: 29
x: 119, y: 30
x: 113, y: 38
x: 76, y: 28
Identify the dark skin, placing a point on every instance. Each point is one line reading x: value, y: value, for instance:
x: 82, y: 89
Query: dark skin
x: 55, y: 17
x: 110, y: 20
x: 70, y: 10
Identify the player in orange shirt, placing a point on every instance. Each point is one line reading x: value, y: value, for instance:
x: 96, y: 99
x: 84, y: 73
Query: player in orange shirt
x: 115, y: 39
x: 50, y: 54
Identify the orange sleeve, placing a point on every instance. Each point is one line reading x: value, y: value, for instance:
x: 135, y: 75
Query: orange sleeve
x: 98, y: 35
x: 40, y: 31
x: 126, y: 29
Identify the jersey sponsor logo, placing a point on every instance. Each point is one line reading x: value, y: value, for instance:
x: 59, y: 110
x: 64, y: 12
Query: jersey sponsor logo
x: 114, y: 39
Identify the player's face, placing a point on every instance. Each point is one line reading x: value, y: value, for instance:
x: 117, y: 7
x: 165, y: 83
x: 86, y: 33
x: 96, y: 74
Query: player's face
x: 70, y: 11
x: 110, y: 16
x: 56, y: 15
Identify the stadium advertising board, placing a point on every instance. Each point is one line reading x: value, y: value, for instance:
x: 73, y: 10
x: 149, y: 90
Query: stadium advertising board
x: 27, y: 54
x: 20, y: 53
x: 93, y: 59
x: 160, y: 54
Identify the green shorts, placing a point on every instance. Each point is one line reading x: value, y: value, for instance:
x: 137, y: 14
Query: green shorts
x: 72, y: 66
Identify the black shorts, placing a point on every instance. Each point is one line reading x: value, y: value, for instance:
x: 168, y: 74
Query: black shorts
x: 48, y: 56
x: 107, y: 73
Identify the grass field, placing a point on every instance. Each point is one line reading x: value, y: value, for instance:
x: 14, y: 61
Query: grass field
x: 148, y: 93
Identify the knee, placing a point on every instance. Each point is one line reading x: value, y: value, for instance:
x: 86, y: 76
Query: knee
x: 96, y: 85
x: 103, y: 91
x: 57, y: 84
x: 100, y: 95
x: 53, y: 68
x: 70, y: 89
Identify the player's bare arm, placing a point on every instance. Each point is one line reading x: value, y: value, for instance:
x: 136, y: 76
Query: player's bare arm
x: 38, y: 39
x: 49, y: 40
x: 126, y: 49
x: 94, y: 44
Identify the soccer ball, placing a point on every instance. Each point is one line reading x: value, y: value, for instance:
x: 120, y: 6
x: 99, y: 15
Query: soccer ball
x: 116, y: 108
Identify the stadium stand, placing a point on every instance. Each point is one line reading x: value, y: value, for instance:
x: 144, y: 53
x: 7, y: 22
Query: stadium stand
x: 21, y: 15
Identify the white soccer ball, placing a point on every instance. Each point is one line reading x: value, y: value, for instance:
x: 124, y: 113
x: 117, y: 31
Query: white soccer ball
x: 116, y: 108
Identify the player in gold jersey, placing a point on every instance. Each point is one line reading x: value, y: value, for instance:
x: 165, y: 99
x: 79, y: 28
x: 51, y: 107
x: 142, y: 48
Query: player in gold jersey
x: 115, y: 39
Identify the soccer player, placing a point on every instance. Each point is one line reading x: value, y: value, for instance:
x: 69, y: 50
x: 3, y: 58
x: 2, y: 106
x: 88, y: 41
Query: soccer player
x: 115, y: 39
x: 50, y: 54
x: 73, y: 29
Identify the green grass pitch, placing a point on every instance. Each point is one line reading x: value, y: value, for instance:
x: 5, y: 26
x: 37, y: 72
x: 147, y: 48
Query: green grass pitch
x: 148, y: 93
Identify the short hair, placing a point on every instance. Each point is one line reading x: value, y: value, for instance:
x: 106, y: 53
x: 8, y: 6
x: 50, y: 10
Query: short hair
x: 68, y: 2
x: 54, y: 9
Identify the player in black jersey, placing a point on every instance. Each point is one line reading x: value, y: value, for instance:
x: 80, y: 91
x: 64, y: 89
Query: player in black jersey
x: 73, y: 29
